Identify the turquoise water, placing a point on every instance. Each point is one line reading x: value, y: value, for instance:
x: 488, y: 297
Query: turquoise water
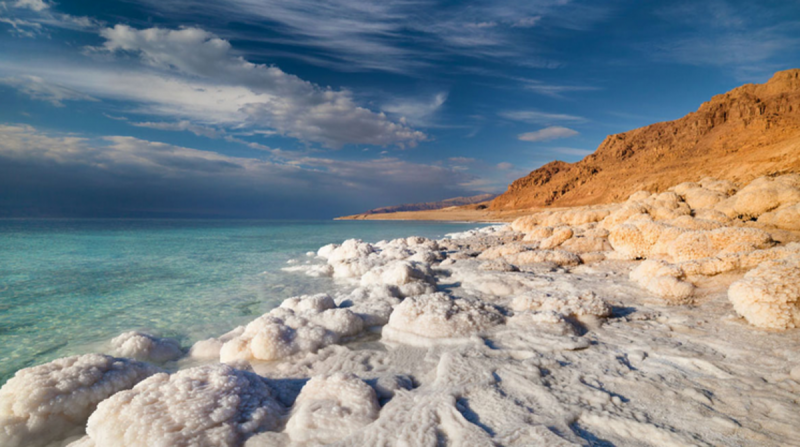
x: 68, y: 285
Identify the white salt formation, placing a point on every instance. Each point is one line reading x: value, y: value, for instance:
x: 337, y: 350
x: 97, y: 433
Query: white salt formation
x: 439, y: 316
x: 51, y: 402
x: 303, y: 324
x: 330, y: 408
x: 146, y: 347
x: 613, y: 324
x: 215, y: 406
x: 769, y: 295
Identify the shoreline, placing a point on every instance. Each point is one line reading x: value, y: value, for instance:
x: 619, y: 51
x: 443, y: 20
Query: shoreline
x: 619, y: 324
x: 467, y: 214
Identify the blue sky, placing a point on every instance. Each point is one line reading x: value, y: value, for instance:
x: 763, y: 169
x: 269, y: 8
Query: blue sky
x: 309, y: 108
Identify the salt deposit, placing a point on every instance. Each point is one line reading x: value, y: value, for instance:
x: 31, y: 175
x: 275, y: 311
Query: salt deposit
x: 439, y: 316
x: 330, y: 408
x: 769, y: 295
x: 141, y: 346
x: 50, y: 402
x: 303, y: 324
x: 616, y: 324
x: 209, y: 406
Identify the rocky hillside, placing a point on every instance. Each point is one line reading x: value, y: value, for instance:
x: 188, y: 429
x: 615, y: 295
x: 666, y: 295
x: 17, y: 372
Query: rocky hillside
x: 457, y: 201
x: 751, y: 131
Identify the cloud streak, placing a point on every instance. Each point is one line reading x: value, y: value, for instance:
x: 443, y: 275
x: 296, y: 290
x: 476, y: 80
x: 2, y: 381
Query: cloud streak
x: 547, y: 134
x: 361, y: 35
x: 140, y: 177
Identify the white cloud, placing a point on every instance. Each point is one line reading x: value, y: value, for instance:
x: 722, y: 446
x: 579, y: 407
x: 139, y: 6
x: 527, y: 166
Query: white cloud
x: 39, y: 89
x: 36, y: 5
x: 538, y: 117
x: 394, y: 35
x: 292, y: 106
x: 552, y: 90
x: 121, y: 163
x: 572, y: 151
x: 30, y: 18
x: 193, y: 75
x: 504, y: 166
x: 204, y: 131
x: 548, y: 133
x: 416, y: 111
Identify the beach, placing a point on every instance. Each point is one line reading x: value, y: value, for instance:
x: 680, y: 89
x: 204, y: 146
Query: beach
x: 551, y: 330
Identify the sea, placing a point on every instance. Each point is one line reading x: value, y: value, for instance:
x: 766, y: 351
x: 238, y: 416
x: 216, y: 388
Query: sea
x: 68, y: 286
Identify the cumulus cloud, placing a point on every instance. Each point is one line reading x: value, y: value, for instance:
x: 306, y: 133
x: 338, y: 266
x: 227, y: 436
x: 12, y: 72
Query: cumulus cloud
x: 504, y: 165
x: 59, y: 174
x: 548, y: 133
x: 39, y: 89
x: 266, y: 95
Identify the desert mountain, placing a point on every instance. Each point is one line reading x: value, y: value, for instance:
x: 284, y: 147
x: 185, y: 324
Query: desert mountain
x: 751, y: 131
x: 457, y: 201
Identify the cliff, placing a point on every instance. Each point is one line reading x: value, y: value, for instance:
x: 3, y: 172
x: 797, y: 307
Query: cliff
x: 751, y: 131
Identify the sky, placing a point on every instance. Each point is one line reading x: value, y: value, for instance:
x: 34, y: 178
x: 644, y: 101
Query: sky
x: 314, y: 109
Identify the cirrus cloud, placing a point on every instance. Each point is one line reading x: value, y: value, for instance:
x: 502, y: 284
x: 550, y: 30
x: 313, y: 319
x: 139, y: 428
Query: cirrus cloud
x: 548, y: 133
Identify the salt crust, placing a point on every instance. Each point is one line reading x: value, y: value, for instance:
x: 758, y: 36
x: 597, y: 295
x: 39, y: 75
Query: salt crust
x: 52, y: 401
x: 571, y: 305
x: 330, y: 408
x: 499, y: 314
x: 213, y: 405
x: 302, y: 324
x: 439, y: 316
x: 146, y: 347
x: 769, y: 295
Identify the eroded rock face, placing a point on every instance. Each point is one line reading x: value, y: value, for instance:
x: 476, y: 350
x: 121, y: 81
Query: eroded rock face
x: 761, y: 121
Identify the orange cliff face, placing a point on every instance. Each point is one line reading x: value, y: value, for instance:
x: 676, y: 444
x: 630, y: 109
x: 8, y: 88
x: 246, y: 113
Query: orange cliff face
x: 751, y: 131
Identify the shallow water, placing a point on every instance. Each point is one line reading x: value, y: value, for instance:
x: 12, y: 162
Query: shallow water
x: 68, y: 285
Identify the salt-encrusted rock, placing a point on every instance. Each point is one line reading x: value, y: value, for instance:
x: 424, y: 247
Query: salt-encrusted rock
x: 439, y: 316
x: 330, y: 408
x: 558, y: 257
x: 410, y: 278
x: 500, y: 251
x: 700, y: 197
x: 640, y: 239
x: 586, y: 244
x: 50, y: 402
x: 769, y: 295
x: 372, y: 304
x: 146, y: 347
x: 703, y: 244
x: 786, y: 218
x: 560, y: 235
x: 549, y: 321
x: 498, y: 265
x: 215, y: 406
x: 663, y: 280
x: 303, y: 324
x: 570, y: 305
x: 762, y: 195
